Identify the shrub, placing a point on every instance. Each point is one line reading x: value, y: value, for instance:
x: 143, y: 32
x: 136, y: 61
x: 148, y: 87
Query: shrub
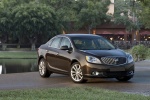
x: 140, y: 52
x: 148, y: 53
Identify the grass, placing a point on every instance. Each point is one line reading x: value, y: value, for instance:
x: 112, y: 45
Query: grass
x: 18, y: 54
x: 84, y: 93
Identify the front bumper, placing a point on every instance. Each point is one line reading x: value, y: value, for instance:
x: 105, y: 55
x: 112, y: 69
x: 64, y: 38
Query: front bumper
x: 108, y: 71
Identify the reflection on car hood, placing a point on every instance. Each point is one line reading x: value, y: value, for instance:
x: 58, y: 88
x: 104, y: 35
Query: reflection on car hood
x: 102, y: 53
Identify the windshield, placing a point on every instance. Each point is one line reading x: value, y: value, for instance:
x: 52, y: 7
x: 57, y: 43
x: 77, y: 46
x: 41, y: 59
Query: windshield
x: 92, y: 43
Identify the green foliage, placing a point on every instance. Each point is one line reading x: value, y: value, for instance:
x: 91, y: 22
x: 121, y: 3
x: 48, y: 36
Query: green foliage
x: 66, y: 13
x: 76, y: 14
x: 145, y: 13
x: 91, y: 13
x: 148, y: 57
x: 5, y: 20
x: 42, y: 19
x: 140, y: 52
x: 27, y: 19
x: 126, y: 13
x: 34, y: 19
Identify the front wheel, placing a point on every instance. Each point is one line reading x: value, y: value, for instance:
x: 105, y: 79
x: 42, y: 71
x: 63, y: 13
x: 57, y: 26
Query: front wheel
x: 125, y: 78
x: 76, y: 73
x: 43, y: 69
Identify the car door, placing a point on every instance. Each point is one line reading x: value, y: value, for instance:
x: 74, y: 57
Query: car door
x: 64, y: 55
x: 52, y: 53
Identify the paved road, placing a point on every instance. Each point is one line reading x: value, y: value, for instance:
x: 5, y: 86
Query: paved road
x: 139, y: 84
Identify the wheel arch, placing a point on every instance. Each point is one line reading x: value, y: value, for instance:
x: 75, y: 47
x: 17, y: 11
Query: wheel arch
x: 41, y: 57
x: 74, y: 61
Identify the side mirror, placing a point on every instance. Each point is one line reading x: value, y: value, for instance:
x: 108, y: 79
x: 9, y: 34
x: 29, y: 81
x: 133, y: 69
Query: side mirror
x: 64, y: 47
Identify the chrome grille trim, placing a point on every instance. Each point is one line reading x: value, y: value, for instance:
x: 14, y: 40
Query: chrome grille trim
x: 114, y: 60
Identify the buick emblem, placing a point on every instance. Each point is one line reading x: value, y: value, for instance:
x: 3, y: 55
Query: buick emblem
x: 116, y: 60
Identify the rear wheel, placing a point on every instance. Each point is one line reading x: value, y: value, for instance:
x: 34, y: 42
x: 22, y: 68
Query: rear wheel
x: 125, y: 78
x: 43, y: 69
x: 76, y: 73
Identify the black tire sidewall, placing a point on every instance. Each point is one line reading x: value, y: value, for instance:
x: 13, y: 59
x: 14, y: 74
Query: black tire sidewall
x: 46, y: 72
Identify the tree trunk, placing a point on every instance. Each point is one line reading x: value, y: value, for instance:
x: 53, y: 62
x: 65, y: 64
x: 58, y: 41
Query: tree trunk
x: 89, y: 29
x: 18, y: 46
x: 33, y: 41
x: 4, y: 38
x: 33, y: 47
x: 4, y: 46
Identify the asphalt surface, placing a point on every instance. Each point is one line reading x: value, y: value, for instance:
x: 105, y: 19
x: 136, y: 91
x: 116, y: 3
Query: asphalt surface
x: 139, y: 84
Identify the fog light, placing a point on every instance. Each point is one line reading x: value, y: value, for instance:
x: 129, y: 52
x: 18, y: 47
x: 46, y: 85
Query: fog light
x: 95, y: 73
x: 131, y: 73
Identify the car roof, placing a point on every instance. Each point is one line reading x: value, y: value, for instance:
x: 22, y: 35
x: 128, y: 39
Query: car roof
x: 79, y: 35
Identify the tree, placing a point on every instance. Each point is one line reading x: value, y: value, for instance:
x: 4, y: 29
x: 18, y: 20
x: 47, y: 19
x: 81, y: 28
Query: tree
x: 76, y: 14
x: 65, y: 11
x: 6, y: 18
x: 91, y: 13
x: 126, y: 13
x: 145, y: 13
x: 5, y: 21
x: 33, y: 20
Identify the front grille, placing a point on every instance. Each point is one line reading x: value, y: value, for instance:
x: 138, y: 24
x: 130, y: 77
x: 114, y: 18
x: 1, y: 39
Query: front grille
x: 113, y: 60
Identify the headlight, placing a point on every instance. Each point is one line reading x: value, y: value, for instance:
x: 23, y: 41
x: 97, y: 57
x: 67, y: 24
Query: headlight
x: 130, y: 58
x: 92, y: 59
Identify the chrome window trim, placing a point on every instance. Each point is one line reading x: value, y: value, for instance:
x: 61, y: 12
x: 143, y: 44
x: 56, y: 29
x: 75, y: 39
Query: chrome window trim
x: 52, y: 42
x: 60, y: 41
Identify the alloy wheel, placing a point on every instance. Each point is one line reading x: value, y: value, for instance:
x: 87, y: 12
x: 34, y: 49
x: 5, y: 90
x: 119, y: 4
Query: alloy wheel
x: 42, y: 68
x: 76, y: 73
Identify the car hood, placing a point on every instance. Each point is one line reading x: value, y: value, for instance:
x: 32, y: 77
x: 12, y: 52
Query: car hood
x: 103, y: 53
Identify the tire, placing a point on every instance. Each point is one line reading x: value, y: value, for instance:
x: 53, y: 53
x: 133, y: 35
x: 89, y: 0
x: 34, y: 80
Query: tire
x: 76, y: 73
x: 125, y: 78
x: 43, y: 69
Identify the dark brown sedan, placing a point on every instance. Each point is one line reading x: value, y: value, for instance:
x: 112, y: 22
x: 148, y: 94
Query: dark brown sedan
x: 84, y: 56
